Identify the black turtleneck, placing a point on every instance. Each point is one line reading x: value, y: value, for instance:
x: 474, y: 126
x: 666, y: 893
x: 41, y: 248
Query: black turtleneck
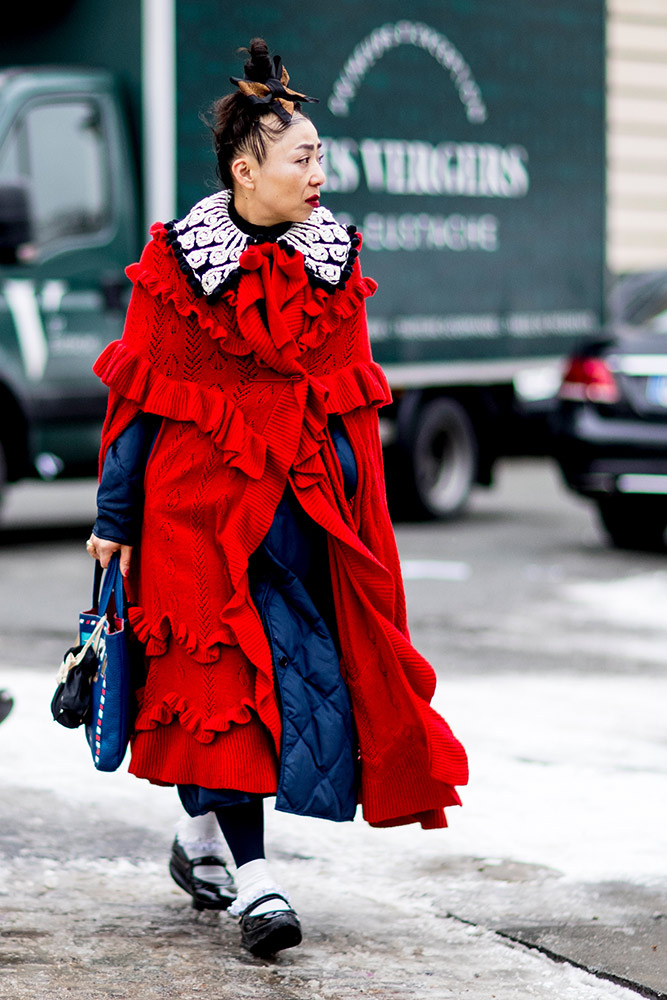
x: 268, y: 233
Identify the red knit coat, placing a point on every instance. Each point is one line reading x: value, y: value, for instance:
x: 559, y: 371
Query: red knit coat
x: 246, y: 386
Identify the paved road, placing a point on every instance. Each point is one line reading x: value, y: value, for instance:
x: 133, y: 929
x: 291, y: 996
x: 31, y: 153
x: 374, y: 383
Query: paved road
x: 550, y: 648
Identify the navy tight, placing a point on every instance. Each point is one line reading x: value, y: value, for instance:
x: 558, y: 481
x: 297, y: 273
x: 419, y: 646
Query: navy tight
x: 243, y: 828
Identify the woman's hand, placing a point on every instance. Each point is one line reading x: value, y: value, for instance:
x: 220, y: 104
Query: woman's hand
x: 103, y: 549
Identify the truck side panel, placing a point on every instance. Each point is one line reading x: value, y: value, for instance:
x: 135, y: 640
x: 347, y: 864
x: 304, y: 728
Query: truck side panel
x: 465, y: 140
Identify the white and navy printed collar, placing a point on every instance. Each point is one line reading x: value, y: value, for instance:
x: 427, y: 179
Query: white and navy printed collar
x: 207, y: 245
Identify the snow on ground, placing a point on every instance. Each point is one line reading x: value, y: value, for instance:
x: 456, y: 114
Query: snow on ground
x: 567, y: 772
x: 634, y: 602
x: 548, y: 776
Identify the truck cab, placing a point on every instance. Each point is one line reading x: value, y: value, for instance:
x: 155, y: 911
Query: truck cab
x: 67, y: 230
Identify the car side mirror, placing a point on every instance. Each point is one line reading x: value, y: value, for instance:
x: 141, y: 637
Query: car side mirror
x: 15, y: 223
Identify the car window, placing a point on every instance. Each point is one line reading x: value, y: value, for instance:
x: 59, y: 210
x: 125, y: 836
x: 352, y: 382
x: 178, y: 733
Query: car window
x: 58, y: 149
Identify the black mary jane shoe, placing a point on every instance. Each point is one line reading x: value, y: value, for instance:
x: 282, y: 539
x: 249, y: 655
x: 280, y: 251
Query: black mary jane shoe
x: 206, y: 895
x: 268, y: 933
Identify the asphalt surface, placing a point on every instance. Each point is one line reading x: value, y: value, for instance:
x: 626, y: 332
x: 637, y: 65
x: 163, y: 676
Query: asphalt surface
x: 547, y: 884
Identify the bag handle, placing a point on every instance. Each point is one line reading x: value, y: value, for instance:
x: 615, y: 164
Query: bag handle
x: 113, y: 584
x: 97, y: 582
x: 72, y: 660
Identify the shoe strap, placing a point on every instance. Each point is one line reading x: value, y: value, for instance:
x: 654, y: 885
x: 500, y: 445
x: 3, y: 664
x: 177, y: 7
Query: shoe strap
x: 264, y: 899
x: 208, y: 859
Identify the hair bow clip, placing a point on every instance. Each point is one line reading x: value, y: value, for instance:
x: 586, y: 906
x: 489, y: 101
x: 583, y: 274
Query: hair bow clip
x: 274, y: 94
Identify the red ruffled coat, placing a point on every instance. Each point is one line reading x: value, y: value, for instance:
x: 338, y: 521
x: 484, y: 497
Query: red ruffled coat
x: 245, y: 404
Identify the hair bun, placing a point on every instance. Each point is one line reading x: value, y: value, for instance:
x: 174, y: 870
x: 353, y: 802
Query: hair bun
x: 259, y: 67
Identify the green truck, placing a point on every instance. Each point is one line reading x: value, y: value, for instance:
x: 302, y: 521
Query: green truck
x: 464, y: 138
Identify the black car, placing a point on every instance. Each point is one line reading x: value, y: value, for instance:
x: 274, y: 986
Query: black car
x: 610, y: 424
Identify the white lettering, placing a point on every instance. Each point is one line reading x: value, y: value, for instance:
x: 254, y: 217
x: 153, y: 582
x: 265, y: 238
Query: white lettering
x: 339, y: 164
x: 403, y: 32
x: 394, y: 157
x: 466, y: 170
x: 484, y: 325
x: 397, y: 166
x: 514, y: 169
x: 543, y: 324
x: 430, y: 232
x: 450, y: 327
x: 389, y: 36
x: 371, y: 158
x: 444, y: 159
x: 420, y: 162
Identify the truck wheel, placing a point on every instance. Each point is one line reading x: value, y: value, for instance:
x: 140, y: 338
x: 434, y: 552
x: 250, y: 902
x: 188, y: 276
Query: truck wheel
x: 634, y: 522
x: 443, y: 460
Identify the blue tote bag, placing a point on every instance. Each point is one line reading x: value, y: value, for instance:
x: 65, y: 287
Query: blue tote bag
x: 108, y: 732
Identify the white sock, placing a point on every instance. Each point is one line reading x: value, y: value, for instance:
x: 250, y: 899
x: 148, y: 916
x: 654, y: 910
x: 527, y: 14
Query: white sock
x: 199, y: 836
x: 254, y: 880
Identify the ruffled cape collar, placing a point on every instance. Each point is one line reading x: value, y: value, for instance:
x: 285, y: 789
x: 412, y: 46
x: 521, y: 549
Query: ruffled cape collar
x: 208, y: 245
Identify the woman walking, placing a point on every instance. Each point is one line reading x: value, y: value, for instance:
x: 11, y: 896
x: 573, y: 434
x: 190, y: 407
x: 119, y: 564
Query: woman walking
x: 242, y: 482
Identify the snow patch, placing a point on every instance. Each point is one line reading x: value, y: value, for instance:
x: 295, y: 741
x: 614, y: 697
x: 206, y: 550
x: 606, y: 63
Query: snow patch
x: 434, y: 569
x: 637, y: 601
x: 567, y: 772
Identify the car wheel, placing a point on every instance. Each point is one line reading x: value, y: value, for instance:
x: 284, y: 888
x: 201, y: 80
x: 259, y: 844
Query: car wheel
x: 439, y: 465
x: 634, y: 522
